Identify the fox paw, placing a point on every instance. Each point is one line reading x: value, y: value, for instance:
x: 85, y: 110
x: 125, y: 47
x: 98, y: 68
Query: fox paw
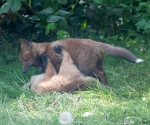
x: 58, y: 49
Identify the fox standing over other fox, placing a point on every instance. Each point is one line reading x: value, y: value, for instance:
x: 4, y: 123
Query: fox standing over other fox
x: 86, y: 54
x: 66, y: 80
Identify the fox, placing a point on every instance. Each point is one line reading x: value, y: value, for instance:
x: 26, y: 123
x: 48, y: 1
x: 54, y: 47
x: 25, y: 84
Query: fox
x: 87, y: 55
x: 64, y: 81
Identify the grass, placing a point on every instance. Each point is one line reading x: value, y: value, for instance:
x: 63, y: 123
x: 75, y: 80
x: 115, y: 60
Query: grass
x: 126, y: 102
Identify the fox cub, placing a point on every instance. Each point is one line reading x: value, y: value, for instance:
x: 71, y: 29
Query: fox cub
x: 86, y: 54
x: 68, y: 79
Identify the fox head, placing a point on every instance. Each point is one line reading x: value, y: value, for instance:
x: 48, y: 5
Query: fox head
x: 28, y: 56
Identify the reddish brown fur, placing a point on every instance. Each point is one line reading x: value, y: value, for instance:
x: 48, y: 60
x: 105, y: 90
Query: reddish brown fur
x: 66, y: 80
x: 86, y: 54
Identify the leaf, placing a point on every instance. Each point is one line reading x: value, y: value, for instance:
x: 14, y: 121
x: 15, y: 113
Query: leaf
x: 55, y: 5
x: 147, y: 26
x: 62, y: 12
x: 122, y: 5
x: 62, y: 2
x: 62, y: 23
x: 50, y: 26
x: 23, y: 0
x: 142, y: 6
x: 117, y: 11
x: 46, y: 11
x: 53, y: 18
x: 15, y: 5
x: 35, y: 18
x: 5, y: 7
x: 140, y: 24
x: 98, y: 1
x: 51, y: 3
x: 62, y: 34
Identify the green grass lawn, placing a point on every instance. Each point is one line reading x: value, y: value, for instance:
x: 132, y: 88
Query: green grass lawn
x: 126, y: 102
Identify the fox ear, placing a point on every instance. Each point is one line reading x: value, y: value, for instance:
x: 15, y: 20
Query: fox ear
x: 25, y: 43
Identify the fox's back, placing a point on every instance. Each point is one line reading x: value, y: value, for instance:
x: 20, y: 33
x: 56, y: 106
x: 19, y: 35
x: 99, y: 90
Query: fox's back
x: 84, y: 52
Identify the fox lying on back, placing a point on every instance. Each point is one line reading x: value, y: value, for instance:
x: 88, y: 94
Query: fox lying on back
x: 87, y: 55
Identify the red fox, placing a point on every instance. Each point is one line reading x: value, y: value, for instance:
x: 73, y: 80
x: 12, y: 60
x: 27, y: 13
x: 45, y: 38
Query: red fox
x: 86, y: 54
x: 68, y: 79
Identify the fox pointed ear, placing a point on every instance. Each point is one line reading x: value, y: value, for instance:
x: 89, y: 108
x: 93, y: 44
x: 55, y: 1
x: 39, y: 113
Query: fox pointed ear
x: 25, y: 43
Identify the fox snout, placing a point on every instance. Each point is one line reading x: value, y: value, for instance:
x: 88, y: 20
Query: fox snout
x: 25, y: 68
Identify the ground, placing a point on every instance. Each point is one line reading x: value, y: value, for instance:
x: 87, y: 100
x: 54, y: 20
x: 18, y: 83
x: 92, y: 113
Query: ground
x: 125, y: 102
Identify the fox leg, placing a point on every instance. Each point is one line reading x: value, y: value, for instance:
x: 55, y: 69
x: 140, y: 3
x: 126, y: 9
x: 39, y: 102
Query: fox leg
x: 50, y: 70
x: 100, y: 74
x: 95, y: 67
x: 44, y: 84
x: 66, y: 61
x: 99, y: 71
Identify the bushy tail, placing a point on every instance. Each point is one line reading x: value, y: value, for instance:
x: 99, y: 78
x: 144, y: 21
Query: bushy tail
x: 119, y: 52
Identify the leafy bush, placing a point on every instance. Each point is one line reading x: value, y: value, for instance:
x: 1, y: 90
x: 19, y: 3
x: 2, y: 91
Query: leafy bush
x: 48, y: 20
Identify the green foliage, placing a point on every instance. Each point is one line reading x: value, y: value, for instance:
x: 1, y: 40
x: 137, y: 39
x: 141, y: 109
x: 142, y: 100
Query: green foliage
x: 53, y: 18
x: 53, y: 15
x: 62, y: 12
x: 13, y: 5
x: 5, y: 7
x: 144, y: 26
x: 98, y: 1
x: 124, y: 22
x: 46, y: 11
x: 143, y: 18
x: 50, y: 27
x: 62, y: 34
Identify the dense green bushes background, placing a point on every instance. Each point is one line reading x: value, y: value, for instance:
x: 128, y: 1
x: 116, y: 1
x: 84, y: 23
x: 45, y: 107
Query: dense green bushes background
x: 119, y: 22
